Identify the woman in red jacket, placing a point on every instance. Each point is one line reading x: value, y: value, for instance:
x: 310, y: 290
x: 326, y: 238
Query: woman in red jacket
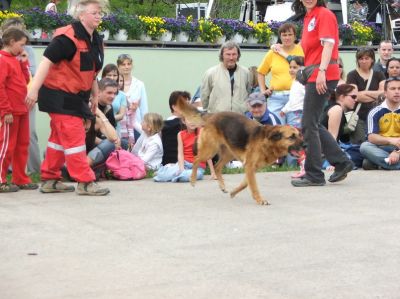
x: 14, y: 117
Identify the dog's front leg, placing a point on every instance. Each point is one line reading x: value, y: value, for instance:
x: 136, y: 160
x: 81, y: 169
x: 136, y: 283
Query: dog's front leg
x: 251, y: 179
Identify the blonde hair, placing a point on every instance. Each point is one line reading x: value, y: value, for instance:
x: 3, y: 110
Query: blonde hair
x: 154, y: 121
x: 77, y: 7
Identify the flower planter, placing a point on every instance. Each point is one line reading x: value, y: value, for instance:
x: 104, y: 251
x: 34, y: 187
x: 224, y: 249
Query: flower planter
x: 252, y: 40
x: 221, y: 39
x: 166, y: 36
x: 182, y: 37
x: 273, y: 40
x: 145, y: 37
x: 105, y: 34
x: 36, y: 33
x: 238, y: 38
x: 121, y: 35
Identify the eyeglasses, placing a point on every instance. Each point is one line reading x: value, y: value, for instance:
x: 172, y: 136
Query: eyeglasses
x: 96, y: 13
x: 23, y: 55
x: 353, y: 96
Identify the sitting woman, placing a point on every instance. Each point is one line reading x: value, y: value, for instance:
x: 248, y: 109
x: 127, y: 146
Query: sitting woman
x: 149, y: 147
x: 334, y: 118
x: 181, y: 171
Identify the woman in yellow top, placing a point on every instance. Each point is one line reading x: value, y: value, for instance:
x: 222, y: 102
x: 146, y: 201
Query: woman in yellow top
x: 276, y: 62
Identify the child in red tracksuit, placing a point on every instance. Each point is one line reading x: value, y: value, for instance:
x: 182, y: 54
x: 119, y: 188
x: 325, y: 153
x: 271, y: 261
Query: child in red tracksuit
x: 14, y: 116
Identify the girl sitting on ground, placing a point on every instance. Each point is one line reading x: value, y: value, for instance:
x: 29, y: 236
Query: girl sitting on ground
x: 182, y: 170
x: 149, y: 146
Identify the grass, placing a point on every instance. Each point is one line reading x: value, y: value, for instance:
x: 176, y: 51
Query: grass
x: 35, y: 177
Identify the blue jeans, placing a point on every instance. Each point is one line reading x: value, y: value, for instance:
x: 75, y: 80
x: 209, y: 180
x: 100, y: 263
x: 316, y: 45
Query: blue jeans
x: 101, y: 152
x: 293, y: 118
x: 276, y: 103
x: 377, y: 154
x: 170, y: 173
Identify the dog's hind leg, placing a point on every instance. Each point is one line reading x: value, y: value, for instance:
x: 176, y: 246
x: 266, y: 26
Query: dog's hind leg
x: 239, y: 188
x: 224, y: 158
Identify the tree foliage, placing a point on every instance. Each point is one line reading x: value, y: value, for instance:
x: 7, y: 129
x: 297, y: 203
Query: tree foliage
x: 165, y: 8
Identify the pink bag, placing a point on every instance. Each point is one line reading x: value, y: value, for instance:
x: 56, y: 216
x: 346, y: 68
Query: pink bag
x: 125, y: 166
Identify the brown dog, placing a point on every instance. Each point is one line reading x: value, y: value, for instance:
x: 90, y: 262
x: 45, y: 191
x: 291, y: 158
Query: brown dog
x: 235, y: 137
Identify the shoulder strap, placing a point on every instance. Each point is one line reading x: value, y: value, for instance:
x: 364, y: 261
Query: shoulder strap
x: 371, y: 72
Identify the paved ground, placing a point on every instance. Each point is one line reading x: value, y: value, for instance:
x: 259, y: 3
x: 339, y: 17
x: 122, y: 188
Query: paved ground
x: 149, y: 240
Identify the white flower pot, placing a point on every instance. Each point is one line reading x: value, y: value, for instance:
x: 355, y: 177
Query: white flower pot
x: 105, y: 34
x: 252, y: 40
x: 273, y: 40
x: 36, y: 33
x: 238, y: 38
x: 182, y: 37
x: 166, y: 36
x: 121, y: 35
x: 221, y: 39
x: 145, y: 37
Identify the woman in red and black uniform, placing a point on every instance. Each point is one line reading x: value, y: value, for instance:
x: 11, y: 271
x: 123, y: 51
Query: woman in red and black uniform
x: 64, y: 83
x: 319, y: 41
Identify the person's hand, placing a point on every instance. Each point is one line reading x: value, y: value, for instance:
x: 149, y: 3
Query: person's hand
x: 117, y: 144
x: 267, y: 92
x: 282, y: 114
x: 31, y: 98
x: 276, y: 48
x: 8, y: 118
x: 394, y: 158
x: 133, y: 106
x: 320, y: 83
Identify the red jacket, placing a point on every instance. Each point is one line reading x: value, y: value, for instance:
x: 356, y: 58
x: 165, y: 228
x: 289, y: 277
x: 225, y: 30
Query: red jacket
x: 71, y: 76
x: 14, y: 77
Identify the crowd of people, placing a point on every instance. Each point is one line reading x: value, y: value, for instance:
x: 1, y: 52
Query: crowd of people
x: 100, y: 109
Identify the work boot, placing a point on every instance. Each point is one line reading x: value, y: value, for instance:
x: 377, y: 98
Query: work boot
x: 91, y: 188
x: 54, y: 186
x: 5, y: 188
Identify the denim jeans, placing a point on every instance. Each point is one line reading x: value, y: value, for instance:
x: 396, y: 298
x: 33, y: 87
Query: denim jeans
x: 170, y: 173
x: 101, y: 152
x: 316, y: 136
x: 377, y: 154
x: 276, y: 103
x: 293, y: 118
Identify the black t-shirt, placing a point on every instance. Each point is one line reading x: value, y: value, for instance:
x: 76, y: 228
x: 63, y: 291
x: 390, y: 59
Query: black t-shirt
x: 169, y: 138
x: 353, y: 77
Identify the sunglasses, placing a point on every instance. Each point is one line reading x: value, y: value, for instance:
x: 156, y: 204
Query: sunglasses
x: 124, y: 56
x: 353, y: 96
x: 393, y: 79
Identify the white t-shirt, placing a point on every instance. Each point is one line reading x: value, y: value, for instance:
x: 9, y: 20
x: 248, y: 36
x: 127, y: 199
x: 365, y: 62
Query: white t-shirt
x: 51, y: 7
x: 296, y: 97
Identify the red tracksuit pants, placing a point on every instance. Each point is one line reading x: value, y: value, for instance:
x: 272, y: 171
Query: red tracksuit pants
x: 14, y: 143
x: 66, y: 144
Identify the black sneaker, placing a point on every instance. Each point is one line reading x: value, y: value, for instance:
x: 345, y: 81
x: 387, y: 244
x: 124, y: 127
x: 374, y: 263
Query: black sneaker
x: 368, y: 165
x: 341, y: 172
x: 306, y: 183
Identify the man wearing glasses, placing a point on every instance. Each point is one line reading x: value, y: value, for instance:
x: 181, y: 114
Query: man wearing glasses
x: 382, y: 150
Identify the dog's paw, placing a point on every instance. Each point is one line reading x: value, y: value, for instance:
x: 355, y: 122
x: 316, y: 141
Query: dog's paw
x: 263, y: 202
x: 193, y: 183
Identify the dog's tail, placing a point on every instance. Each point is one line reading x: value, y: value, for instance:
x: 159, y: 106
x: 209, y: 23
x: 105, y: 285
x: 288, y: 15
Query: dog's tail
x: 189, y: 112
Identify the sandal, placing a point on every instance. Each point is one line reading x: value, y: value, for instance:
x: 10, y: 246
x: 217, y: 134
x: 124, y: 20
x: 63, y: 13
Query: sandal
x: 8, y: 188
x: 29, y: 186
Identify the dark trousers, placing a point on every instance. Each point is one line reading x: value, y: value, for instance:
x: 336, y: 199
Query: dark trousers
x: 316, y: 136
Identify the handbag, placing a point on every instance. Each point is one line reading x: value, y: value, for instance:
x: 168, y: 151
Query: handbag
x: 352, y: 116
x: 303, y: 74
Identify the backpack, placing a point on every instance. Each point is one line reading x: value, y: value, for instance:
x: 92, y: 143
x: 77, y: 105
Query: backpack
x: 125, y: 166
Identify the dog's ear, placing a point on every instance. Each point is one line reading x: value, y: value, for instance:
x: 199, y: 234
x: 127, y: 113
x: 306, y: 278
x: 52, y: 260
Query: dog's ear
x: 275, y: 135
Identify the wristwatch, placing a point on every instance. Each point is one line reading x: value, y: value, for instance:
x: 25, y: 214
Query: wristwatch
x: 322, y: 70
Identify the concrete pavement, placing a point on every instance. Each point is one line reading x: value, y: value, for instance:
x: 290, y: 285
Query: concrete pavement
x: 164, y: 240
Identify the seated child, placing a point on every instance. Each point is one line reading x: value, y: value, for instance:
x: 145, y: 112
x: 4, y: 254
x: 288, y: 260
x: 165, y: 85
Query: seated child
x: 181, y: 171
x: 149, y: 147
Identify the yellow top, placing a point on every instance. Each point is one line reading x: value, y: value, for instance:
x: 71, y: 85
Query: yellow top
x: 279, y: 68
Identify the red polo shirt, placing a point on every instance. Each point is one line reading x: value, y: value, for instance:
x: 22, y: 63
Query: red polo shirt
x: 320, y: 23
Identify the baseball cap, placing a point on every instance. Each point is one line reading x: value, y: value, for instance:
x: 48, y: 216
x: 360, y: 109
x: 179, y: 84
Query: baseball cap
x: 256, y: 98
